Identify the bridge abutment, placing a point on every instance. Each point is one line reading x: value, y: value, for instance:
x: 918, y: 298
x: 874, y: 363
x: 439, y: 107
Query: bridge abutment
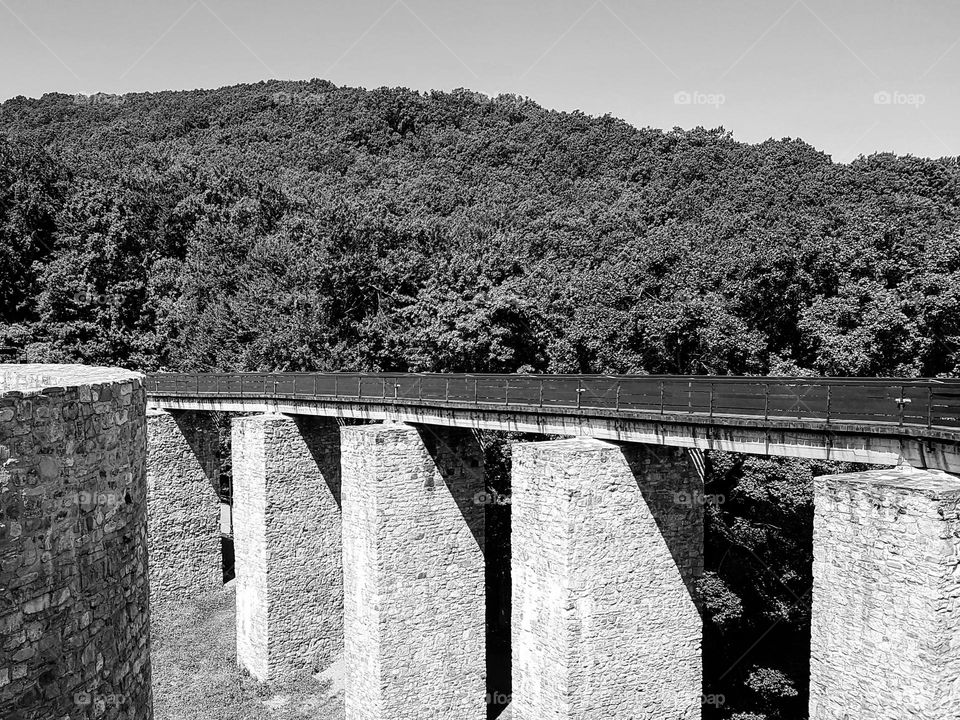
x: 183, y: 505
x: 414, y: 601
x: 885, y: 627
x: 607, y: 543
x: 287, y: 544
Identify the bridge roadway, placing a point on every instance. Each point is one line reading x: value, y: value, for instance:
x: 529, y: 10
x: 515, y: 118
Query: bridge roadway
x: 883, y: 421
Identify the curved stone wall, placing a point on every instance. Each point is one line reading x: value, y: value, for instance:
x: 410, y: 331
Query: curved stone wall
x: 74, y: 614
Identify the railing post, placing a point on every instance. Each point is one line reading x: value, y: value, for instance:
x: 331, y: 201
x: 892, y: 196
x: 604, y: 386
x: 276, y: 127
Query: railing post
x: 336, y: 386
x: 196, y: 383
x: 766, y: 401
x: 902, y: 404
x: 506, y: 392
x: 446, y: 391
x: 359, y: 386
x: 618, y: 394
x: 420, y: 387
x: 929, y: 406
x: 661, y: 397
x: 384, y: 383
x: 829, y: 400
x: 316, y: 383
x: 476, y: 390
x: 579, y: 391
x: 541, y: 392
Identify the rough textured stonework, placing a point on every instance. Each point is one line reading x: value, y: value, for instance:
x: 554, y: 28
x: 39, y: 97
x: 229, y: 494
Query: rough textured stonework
x: 74, y: 596
x: 607, y: 541
x: 182, y: 505
x: 885, y: 635
x: 286, y: 480
x: 413, y: 573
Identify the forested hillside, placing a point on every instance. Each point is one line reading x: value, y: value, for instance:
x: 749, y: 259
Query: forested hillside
x: 301, y: 226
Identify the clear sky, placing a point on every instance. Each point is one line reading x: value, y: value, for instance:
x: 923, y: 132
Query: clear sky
x: 848, y: 76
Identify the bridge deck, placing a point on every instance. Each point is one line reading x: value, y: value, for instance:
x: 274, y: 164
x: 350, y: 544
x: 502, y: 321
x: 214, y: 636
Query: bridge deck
x: 870, y: 420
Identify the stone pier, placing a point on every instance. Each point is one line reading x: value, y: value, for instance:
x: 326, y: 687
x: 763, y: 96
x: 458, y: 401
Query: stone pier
x: 286, y: 502
x: 74, y: 597
x: 885, y: 635
x: 413, y: 538
x: 183, y: 505
x: 607, y: 545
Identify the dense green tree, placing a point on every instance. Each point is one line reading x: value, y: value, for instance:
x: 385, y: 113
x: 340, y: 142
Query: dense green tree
x: 32, y: 186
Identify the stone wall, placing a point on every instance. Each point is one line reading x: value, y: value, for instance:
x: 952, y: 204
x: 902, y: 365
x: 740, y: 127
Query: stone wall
x: 414, y: 604
x: 74, y: 605
x: 607, y: 545
x: 286, y: 482
x: 183, y: 506
x: 885, y: 635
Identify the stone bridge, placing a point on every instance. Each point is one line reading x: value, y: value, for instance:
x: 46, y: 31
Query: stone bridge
x: 365, y: 540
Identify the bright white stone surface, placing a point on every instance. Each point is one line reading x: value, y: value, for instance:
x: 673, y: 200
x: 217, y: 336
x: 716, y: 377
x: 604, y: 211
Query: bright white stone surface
x: 607, y: 544
x: 413, y: 537
x: 286, y: 502
x: 885, y: 635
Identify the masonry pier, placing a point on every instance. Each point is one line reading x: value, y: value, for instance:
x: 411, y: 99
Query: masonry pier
x: 414, y: 606
x: 183, y: 505
x: 286, y: 485
x: 608, y: 540
x: 885, y: 635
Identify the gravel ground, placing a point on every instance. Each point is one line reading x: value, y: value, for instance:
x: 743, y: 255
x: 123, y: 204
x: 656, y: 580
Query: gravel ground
x: 195, y: 673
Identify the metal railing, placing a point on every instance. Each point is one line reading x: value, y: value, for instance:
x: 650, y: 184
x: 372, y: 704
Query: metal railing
x: 931, y: 404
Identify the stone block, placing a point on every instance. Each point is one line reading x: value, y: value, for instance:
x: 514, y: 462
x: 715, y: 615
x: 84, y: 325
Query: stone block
x: 607, y: 547
x: 885, y: 625
x: 183, y: 506
x: 414, y: 601
x: 286, y: 481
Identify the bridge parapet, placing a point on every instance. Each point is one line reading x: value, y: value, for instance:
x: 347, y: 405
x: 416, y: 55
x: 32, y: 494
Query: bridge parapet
x: 880, y: 421
x: 894, y: 402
